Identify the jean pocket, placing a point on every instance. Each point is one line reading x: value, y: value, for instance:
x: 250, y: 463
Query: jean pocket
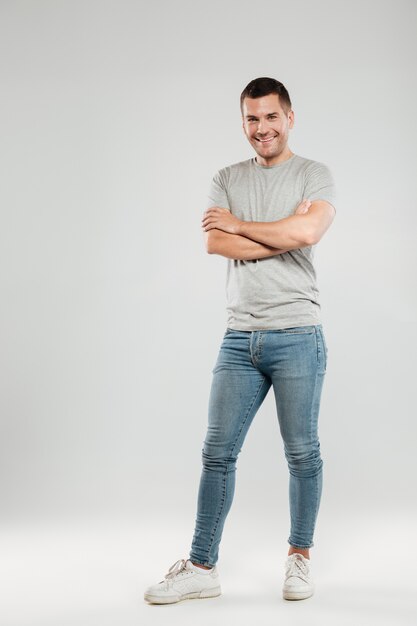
x: 227, y: 334
x: 322, y: 347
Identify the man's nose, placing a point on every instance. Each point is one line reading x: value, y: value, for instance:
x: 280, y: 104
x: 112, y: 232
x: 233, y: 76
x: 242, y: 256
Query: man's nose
x: 262, y: 127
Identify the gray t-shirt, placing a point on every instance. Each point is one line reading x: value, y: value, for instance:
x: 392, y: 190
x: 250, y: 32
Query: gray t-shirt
x: 280, y: 291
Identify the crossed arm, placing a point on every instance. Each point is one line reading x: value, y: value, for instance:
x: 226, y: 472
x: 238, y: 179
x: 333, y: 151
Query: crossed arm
x: 236, y: 239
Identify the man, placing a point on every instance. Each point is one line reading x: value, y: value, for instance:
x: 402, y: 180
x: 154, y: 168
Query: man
x: 265, y: 215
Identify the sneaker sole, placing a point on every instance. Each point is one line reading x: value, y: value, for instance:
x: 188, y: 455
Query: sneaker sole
x: 297, y: 595
x: 196, y: 595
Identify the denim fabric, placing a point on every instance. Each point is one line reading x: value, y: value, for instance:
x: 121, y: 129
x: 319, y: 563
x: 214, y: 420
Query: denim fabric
x: 293, y: 361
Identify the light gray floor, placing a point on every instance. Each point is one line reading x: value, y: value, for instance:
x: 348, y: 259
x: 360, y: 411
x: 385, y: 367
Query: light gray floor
x: 94, y: 573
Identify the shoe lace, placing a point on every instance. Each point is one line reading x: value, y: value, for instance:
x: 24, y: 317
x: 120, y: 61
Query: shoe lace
x: 178, y: 567
x: 297, y: 567
x: 175, y: 569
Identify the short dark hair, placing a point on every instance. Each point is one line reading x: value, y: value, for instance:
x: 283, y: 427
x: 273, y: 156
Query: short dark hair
x: 264, y: 86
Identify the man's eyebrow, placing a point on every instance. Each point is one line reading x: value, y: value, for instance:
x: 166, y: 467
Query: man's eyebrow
x: 273, y: 113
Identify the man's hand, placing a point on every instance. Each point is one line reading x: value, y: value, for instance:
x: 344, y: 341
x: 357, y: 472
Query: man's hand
x: 303, y: 207
x: 217, y: 217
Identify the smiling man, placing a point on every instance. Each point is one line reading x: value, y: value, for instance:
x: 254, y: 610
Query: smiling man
x: 265, y: 215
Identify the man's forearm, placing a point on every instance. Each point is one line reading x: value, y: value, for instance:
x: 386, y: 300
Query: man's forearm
x: 290, y: 232
x: 299, y: 230
x: 239, y: 247
x: 304, y: 228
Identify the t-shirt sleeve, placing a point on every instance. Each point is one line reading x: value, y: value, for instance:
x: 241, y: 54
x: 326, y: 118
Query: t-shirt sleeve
x: 217, y: 195
x: 319, y: 184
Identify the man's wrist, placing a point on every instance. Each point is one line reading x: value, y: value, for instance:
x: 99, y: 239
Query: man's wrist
x: 240, y: 228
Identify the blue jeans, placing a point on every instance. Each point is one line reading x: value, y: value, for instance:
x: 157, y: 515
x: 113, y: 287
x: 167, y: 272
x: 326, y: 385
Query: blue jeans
x: 293, y: 361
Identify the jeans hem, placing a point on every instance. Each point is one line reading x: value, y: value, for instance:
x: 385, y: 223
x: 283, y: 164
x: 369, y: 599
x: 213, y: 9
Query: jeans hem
x: 293, y: 545
x: 196, y: 561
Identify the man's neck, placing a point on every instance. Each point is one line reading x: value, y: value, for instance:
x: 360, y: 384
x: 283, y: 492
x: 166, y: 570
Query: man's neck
x: 275, y: 160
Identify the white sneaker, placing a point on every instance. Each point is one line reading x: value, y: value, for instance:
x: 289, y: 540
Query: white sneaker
x: 298, y: 584
x: 184, y: 581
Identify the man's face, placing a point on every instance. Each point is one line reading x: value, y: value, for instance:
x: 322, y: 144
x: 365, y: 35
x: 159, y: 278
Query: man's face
x: 266, y: 126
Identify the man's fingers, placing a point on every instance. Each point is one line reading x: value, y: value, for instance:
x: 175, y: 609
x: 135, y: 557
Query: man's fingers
x: 215, y: 211
x: 206, y: 222
x: 303, y: 207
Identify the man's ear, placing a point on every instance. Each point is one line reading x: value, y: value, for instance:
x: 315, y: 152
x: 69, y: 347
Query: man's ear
x: 291, y: 118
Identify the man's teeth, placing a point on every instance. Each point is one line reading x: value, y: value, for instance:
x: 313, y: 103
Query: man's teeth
x: 266, y: 140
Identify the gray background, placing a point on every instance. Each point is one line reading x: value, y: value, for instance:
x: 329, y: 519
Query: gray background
x: 115, y: 116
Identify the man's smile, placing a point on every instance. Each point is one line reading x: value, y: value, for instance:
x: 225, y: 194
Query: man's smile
x: 267, y: 140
